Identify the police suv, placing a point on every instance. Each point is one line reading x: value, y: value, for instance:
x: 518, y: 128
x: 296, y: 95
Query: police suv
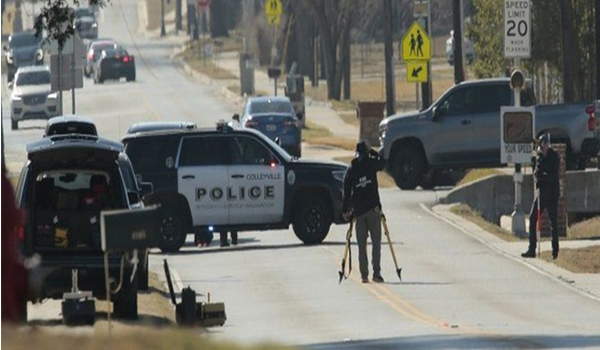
x: 224, y: 179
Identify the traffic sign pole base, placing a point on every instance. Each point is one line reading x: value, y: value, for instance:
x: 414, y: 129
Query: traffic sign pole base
x: 518, y: 223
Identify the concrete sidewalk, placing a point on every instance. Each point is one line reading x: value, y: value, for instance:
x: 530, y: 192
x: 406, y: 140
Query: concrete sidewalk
x: 584, y: 283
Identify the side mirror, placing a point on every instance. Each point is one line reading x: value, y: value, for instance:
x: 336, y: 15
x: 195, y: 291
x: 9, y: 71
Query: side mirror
x: 4, y: 48
x: 278, y: 141
x: 10, y: 85
x: 236, y: 117
x: 146, y: 188
x: 133, y: 197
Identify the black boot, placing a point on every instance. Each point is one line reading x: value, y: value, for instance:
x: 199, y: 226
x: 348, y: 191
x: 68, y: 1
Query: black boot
x: 529, y: 254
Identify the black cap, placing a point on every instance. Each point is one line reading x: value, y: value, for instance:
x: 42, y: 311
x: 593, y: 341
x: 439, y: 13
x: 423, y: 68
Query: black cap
x: 361, y: 147
x: 545, y: 138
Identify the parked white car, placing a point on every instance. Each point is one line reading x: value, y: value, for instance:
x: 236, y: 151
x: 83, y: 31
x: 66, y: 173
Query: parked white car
x: 31, y: 96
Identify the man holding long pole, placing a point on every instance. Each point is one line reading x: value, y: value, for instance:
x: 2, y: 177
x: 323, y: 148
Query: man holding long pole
x: 548, y: 191
x: 361, y: 200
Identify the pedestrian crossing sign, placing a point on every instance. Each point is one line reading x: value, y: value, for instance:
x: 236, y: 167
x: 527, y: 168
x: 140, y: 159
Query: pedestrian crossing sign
x: 273, y: 11
x: 416, y: 44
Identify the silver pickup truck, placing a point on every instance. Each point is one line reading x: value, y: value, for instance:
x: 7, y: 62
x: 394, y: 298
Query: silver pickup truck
x: 461, y: 130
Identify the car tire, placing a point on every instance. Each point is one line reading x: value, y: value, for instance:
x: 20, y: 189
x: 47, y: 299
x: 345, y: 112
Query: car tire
x: 14, y: 124
x: 130, y: 77
x: 125, y: 304
x: 408, y: 167
x: 311, y: 220
x: 172, y: 230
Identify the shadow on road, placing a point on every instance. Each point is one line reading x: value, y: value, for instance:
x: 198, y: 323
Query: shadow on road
x: 444, y: 342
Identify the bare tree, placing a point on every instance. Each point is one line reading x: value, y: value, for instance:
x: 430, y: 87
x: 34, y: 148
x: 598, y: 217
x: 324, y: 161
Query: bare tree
x: 334, y: 20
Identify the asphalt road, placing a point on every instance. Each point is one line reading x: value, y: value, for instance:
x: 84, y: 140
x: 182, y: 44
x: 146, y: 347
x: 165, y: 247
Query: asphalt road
x: 456, y: 293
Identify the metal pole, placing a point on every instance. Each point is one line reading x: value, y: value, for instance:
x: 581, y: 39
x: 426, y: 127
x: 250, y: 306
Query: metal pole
x: 275, y: 86
x: 417, y: 94
x: 60, y: 94
x: 163, y: 32
x: 73, y: 80
x: 518, y: 217
x: 178, y: 25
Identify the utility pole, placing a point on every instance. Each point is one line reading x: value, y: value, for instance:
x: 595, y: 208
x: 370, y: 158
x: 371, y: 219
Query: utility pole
x: 389, y: 57
x: 458, y: 62
x: 178, y: 25
x: 163, y: 32
x: 597, y: 49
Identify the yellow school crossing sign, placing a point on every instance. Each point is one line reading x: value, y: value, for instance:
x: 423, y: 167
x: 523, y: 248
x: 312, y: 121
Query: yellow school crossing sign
x: 416, y: 44
x: 273, y: 10
x: 416, y: 71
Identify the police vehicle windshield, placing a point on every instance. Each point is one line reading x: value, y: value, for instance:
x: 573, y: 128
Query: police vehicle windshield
x: 33, y: 78
x: 271, y: 107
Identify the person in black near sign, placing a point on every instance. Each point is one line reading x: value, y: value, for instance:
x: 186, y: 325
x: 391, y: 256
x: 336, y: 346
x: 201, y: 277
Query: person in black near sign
x: 547, y: 181
x: 361, y: 200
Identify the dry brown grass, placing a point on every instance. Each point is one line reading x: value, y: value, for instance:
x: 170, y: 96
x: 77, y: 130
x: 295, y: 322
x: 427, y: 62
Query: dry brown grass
x: 374, y: 90
x: 383, y: 179
x: 475, y: 217
x: 588, y: 229
x: 153, y: 11
x: 318, y: 135
x: 193, y: 57
x: 583, y: 260
x: 476, y: 174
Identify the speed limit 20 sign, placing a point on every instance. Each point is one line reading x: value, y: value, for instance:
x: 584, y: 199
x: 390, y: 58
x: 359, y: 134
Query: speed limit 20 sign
x: 517, y: 28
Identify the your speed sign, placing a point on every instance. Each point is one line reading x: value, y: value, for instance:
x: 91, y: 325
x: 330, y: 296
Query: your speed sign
x: 517, y: 28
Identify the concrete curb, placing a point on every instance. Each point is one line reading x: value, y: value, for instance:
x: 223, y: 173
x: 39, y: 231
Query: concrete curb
x: 585, y: 285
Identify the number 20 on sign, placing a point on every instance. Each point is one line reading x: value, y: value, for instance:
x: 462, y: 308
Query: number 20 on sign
x: 517, y: 29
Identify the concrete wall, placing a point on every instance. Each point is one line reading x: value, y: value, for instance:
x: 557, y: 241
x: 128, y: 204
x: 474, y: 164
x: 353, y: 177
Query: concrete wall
x: 494, y: 195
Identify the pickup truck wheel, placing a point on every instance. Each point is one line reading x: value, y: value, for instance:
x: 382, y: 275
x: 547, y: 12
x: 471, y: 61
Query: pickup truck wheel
x: 311, y: 220
x: 430, y: 180
x: 172, y: 232
x: 125, y: 303
x: 409, y: 167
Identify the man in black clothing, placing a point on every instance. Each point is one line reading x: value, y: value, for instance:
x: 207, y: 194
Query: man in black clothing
x: 547, y: 181
x: 361, y: 200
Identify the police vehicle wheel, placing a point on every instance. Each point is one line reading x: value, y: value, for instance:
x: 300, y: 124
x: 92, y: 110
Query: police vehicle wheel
x: 125, y: 303
x: 409, y: 167
x: 311, y: 220
x: 172, y: 232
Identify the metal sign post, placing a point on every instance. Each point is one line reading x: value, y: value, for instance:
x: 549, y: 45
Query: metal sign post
x: 517, y: 45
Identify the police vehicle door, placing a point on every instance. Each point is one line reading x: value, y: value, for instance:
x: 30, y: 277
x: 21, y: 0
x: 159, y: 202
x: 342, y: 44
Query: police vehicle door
x: 256, y: 180
x: 202, y: 178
